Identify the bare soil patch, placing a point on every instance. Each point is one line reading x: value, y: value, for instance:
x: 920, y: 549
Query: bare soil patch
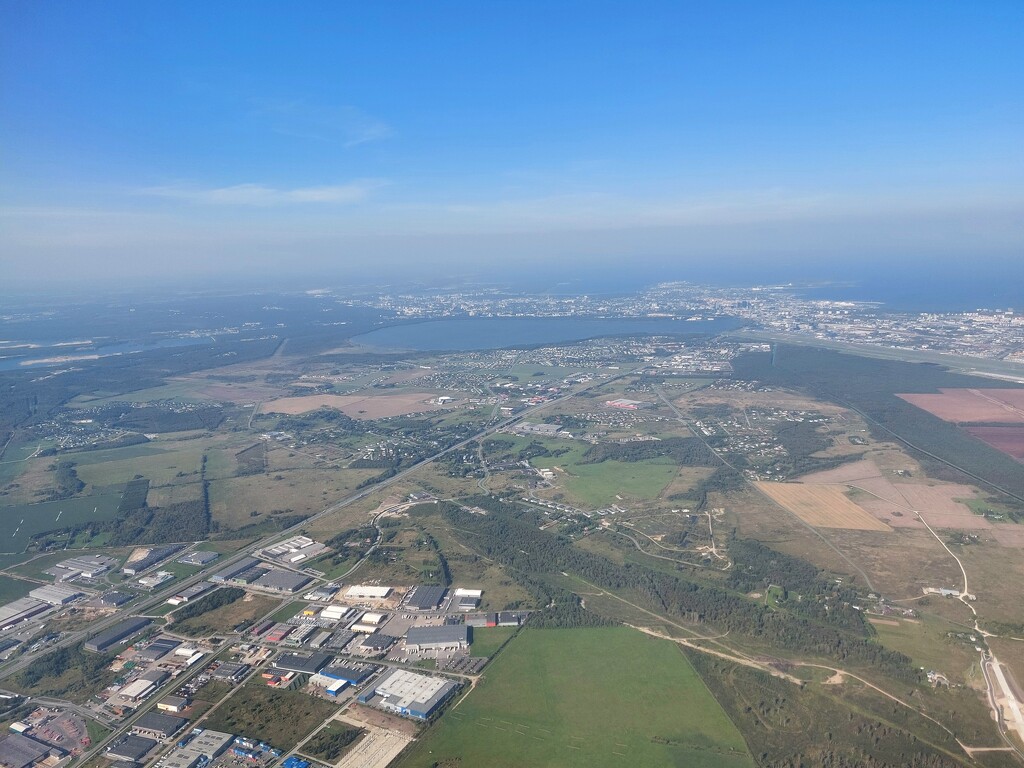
x: 823, y: 506
x: 356, y: 406
x: 972, y: 405
x: 1009, y: 440
x: 845, y: 473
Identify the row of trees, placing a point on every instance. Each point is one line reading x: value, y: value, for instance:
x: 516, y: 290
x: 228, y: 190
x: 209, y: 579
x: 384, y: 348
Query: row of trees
x: 511, y: 537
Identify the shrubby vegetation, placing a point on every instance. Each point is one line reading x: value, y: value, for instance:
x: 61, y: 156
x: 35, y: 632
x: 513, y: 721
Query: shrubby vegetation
x: 789, y: 728
x: 331, y: 742
x: 211, y: 602
x: 65, y: 673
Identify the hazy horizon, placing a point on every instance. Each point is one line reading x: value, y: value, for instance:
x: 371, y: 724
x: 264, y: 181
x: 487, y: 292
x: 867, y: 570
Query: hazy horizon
x: 195, y: 143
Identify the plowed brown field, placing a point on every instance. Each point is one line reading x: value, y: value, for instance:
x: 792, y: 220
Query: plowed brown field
x: 823, y: 506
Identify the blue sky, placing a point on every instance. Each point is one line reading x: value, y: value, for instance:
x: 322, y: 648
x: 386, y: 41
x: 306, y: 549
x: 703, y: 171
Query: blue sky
x: 149, y: 139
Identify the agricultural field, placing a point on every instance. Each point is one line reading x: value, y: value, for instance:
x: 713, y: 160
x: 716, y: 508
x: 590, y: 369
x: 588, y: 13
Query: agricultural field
x: 823, y: 506
x: 162, y: 464
x: 280, y: 718
x: 1009, y: 440
x: 355, y: 406
x: 20, y: 522
x: 1000, y: 406
x: 585, y: 697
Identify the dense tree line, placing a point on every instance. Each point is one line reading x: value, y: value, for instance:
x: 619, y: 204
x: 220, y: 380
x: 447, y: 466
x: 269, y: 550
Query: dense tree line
x: 513, y: 539
x: 870, y: 386
x: 687, y: 451
x: 66, y: 482
x: 160, y: 418
x: 134, y: 495
x: 184, y: 521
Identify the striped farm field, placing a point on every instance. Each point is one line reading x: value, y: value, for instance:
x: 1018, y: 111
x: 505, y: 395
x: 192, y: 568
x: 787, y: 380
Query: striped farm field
x: 823, y: 506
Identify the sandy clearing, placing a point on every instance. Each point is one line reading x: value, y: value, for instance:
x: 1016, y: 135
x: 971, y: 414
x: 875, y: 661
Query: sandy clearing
x: 356, y: 406
x: 823, y: 506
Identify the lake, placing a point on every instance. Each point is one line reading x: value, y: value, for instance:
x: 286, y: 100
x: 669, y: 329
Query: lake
x: 461, y: 334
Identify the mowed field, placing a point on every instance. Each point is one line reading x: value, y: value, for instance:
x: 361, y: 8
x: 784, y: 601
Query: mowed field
x: 355, y: 406
x: 1001, y: 406
x: 20, y: 522
x: 589, y: 698
x: 823, y: 506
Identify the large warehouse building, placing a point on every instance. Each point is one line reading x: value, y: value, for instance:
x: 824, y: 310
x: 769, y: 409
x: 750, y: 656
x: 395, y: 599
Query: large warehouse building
x: 367, y: 592
x: 409, y: 694
x: 425, y: 598
x: 115, y: 635
x: 446, y: 637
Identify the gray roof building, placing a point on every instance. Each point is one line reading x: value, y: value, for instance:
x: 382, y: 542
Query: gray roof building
x: 303, y: 663
x: 159, y: 725
x: 425, y: 597
x: 199, y: 557
x: 436, y: 638
x: 282, y: 581
x: 408, y: 693
x: 158, y: 649
x: 353, y: 674
x: 114, y: 635
x: 230, y: 670
x: 203, y: 748
x: 20, y: 751
x: 116, y: 598
x: 233, y: 570
x: 131, y: 747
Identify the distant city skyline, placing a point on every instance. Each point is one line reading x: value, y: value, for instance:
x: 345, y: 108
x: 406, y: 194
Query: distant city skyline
x: 217, y: 141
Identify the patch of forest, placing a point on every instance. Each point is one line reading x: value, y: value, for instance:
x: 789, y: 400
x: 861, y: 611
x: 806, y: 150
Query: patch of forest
x: 870, y: 386
x: 66, y: 673
x: 66, y: 482
x: 827, y: 626
x: 686, y: 451
x: 789, y: 727
x: 134, y: 495
x: 160, y: 417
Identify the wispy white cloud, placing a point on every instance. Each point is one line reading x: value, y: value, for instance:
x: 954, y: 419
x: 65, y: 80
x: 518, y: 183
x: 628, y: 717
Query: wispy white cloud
x: 343, y: 124
x: 264, y: 195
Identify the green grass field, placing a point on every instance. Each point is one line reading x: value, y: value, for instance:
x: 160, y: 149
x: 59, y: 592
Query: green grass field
x: 926, y: 642
x: 160, y: 465
x: 599, y: 485
x: 487, y: 640
x: 20, y: 522
x: 586, y: 697
x: 12, y: 589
